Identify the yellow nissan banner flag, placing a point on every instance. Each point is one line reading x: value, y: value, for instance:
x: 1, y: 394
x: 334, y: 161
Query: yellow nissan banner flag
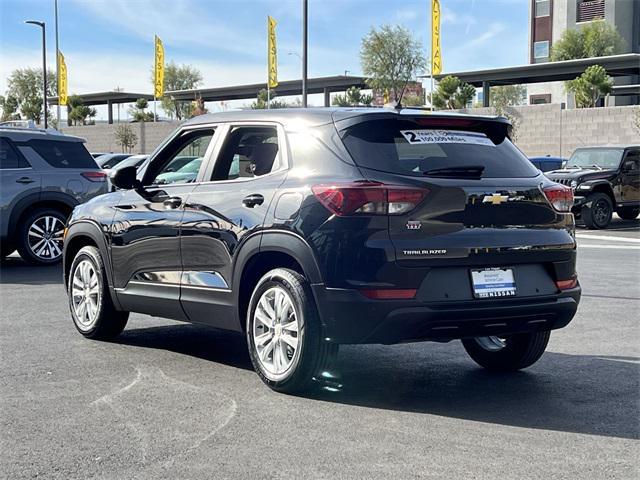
x: 436, y: 53
x: 158, y: 70
x: 273, y: 52
x: 62, y: 80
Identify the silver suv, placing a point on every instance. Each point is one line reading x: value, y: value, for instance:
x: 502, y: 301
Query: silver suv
x: 43, y: 176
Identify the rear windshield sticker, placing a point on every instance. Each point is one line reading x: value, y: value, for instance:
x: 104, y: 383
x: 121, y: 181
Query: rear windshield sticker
x: 446, y: 136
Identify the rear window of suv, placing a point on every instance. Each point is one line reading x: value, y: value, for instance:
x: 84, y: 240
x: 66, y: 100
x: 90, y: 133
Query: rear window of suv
x: 62, y: 154
x: 408, y: 148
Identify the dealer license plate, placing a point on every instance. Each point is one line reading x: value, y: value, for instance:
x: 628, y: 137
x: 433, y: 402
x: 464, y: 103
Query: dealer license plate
x: 493, y: 282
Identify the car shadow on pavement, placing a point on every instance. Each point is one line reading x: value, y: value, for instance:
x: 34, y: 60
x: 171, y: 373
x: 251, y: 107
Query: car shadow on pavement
x: 194, y: 340
x: 590, y: 394
x: 14, y: 270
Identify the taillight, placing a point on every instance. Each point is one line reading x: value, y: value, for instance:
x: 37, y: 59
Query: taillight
x: 94, y: 176
x: 368, y: 198
x: 560, y: 197
x: 566, y: 284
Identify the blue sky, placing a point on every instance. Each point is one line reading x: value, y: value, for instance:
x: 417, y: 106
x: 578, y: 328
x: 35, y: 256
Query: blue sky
x: 109, y: 43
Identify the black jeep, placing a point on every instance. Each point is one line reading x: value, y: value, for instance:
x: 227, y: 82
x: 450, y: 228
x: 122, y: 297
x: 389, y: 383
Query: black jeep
x: 604, y: 179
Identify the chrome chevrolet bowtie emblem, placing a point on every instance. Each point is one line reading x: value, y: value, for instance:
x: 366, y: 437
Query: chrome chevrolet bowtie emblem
x: 495, y: 199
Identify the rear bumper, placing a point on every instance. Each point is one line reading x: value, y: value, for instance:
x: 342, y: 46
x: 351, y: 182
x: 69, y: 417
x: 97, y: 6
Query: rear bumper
x: 349, y: 317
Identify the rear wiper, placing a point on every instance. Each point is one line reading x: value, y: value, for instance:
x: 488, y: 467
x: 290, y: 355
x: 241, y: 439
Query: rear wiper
x: 467, y: 171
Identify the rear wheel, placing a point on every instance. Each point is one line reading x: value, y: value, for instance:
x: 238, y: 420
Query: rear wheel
x: 509, y: 353
x: 40, y: 236
x: 92, y: 309
x: 597, y: 211
x: 628, y: 213
x: 284, y: 333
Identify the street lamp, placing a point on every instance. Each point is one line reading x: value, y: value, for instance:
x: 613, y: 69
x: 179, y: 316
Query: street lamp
x: 44, y: 65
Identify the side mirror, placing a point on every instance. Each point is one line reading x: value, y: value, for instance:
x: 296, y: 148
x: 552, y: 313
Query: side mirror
x: 628, y: 166
x: 125, y: 178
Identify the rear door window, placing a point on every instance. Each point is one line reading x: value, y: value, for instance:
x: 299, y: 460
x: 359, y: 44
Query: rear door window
x: 408, y: 148
x: 9, y: 157
x: 62, y: 154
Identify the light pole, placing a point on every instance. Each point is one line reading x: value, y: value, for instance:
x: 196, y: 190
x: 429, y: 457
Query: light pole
x: 44, y: 65
x: 305, y: 5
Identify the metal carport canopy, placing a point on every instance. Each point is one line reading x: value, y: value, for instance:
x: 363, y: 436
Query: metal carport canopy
x: 108, y: 99
x: 615, y: 65
x: 324, y: 85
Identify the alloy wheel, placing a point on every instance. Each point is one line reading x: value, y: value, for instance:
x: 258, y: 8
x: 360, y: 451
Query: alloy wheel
x: 276, y: 332
x: 601, y: 212
x: 45, y: 237
x: 492, y: 343
x: 85, y: 294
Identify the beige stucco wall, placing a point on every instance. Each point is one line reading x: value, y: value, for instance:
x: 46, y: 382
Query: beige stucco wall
x: 544, y: 129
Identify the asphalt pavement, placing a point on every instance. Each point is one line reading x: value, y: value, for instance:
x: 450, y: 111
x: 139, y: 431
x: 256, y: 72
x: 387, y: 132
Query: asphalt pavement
x: 172, y: 400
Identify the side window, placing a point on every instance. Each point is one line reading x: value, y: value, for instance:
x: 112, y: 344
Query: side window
x: 9, y: 157
x: 248, y: 152
x: 181, y: 160
x: 633, y: 156
x: 63, y: 154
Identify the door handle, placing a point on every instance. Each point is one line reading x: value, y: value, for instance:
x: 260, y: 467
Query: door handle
x: 172, y: 202
x: 25, y: 180
x: 253, y: 200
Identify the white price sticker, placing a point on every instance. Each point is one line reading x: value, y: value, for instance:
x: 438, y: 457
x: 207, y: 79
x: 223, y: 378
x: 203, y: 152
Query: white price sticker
x: 446, y: 136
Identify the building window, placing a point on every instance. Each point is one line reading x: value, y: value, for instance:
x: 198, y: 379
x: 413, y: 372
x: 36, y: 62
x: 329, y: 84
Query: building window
x: 540, y: 99
x: 541, y: 49
x: 589, y: 10
x: 543, y: 8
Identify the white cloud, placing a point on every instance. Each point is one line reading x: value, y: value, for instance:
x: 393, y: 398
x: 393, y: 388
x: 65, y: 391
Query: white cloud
x: 406, y: 14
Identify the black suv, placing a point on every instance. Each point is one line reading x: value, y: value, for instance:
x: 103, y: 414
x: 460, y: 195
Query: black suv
x: 43, y: 176
x: 604, y: 179
x: 306, y: 229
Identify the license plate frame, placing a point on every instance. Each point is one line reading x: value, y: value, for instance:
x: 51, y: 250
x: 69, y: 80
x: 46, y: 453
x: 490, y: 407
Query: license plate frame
x: 493, y: 282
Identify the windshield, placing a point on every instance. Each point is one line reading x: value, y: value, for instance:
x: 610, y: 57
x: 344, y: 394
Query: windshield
x: 595, y: 157
x: 407, y: 148
x: 110, y: 161
x: 192, y: 167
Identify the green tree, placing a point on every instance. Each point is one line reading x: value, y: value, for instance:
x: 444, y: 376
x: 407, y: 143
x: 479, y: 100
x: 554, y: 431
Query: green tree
x: 78, y: 112
x: 508, y: 96
x: 261, y: 101
x: 413, y: 100
x: 125, y: 137
x: 9, y: 105
x: 589, y: 87
x: 138, y: 111
x: 452, y: 93
x: 178, y: 77
x: 25, y: 89
x: 353, y: 97
x: 391, y: 58
x: 594, y: 39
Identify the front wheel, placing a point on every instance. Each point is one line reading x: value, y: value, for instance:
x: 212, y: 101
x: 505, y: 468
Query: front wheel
x: 629, y: 213
x: 284, y: 332
x: 92, y: 309
x: 508, y: 353
x: 597, y: 211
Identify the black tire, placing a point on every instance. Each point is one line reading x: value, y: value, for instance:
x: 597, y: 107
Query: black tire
x: 628, y: 213
x: 312, y: 352
x: 597, y: 211
x: 26, y: 249
x: 108, y: 322
x: 520, y: 351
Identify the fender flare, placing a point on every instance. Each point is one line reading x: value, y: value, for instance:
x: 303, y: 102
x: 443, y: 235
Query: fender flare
x: 23, y: 204
x: 597, y: 183
x: 282, y: 241
x: 90, y: 229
